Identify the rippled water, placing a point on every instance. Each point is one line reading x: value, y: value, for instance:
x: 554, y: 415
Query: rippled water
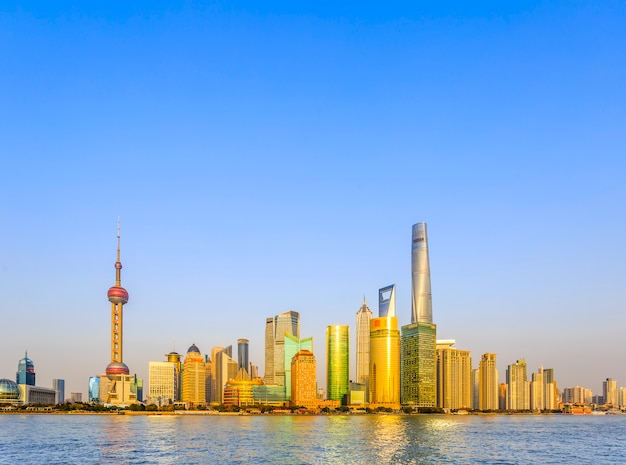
x: 366, y: 439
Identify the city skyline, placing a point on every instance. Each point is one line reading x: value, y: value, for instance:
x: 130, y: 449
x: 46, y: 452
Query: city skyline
x: 271, y: 158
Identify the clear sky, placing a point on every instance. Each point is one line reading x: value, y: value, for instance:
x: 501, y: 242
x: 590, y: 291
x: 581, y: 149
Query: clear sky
x: 272, y: 156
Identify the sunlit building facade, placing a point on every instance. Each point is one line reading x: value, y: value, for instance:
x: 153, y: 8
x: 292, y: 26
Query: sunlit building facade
x: 384, y: 362
x: 293, y: 345
x: 422, y: 311
x: 418, y: 364
x: 194, y: 378
x: 337, y: 361
x: 518, y: 386
x: 304, y: 380
x: 363, y: 318
x: 609, y: 392
x: 275, y: 330
x: 488, y: 383
x: 162, y: 383
x: 225, y: 370
x: 454, y: 377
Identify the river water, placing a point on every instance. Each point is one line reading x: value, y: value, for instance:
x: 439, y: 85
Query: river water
x: 350, y: 439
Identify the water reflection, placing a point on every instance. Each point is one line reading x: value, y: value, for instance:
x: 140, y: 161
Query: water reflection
x: 366, y: 439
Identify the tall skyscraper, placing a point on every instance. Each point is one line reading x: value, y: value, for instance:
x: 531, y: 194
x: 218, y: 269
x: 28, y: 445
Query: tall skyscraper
x: 225, y: 370
x: 387, y: 301
x: 418, y: 354
x: 194, y: 377
x: 488, y: 383
x: 537, y: 401
x: 609, y: 392
x: 59, y: 389
x: 304, y: 380
x: 293, y: 345
x: 518, y: 388
x: 363, y: 318
x: 162, y: 383
x: 243, y: 359
x: 175, y: 359
x: 418, y: 364
x: 118, y: 387
x: 275, y: 330
x: 454, y: 373
x: 420, y: 273
x: 550, y: 389
x: 25, y: 371
x: 337, y: 361
x: 384, y: 362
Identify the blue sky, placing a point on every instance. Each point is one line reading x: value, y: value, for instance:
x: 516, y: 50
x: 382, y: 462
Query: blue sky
x: 273, y: 156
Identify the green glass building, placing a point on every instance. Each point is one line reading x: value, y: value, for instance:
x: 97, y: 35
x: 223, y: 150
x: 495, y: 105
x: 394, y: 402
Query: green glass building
x: 418, y: 383
x: 337, y: 361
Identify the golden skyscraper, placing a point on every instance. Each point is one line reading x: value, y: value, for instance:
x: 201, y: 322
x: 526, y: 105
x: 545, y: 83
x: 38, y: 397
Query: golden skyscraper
x: 488, y: 383
x: 385, y: 362
x: 194, y: 378
x: 303, y: 380
x: 454, y: 374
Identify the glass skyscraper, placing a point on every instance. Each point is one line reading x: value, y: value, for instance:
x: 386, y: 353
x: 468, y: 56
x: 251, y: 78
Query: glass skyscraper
x: 387, y: 301
x: 337, y: 361
x: 243, y: 359
x: 384, y: 379
x: 275, y: 330
x: 422, y: 310
x: 418, y: 361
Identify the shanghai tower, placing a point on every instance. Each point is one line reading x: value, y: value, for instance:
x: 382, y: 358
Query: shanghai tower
x: 422, y: 307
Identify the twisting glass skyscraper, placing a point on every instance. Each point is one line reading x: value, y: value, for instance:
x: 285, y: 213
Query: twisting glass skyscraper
x: 422, y: 308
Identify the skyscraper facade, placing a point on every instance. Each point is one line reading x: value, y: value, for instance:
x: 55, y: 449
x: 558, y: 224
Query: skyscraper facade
x: 387, y: 301
x: 363, y: 318
x: 518, y: 388
x: 337, y: 361
x: 609, y: 392
x: 59, y: 389
x: 25, y: 371
x: 243, y: 358
x: 194, y: 378
x: 454, y: 373
x: 384, y: 379
x: 275, y: 330
x: 418, y: 364
x: 422, y: 311
x: 488, y: 383
x: 304, y: 380
x: 162, y: 383
x: 293, y: 345
x: 225, y: 370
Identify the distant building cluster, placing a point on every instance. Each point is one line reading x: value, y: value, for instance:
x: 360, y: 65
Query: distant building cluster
x: 396, y: 366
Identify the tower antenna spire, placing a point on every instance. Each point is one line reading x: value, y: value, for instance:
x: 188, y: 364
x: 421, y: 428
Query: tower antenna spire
x: 118, y: 238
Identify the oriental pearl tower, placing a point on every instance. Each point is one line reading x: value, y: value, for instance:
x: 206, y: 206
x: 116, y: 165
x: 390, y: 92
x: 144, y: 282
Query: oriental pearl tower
x: 118, y: 296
